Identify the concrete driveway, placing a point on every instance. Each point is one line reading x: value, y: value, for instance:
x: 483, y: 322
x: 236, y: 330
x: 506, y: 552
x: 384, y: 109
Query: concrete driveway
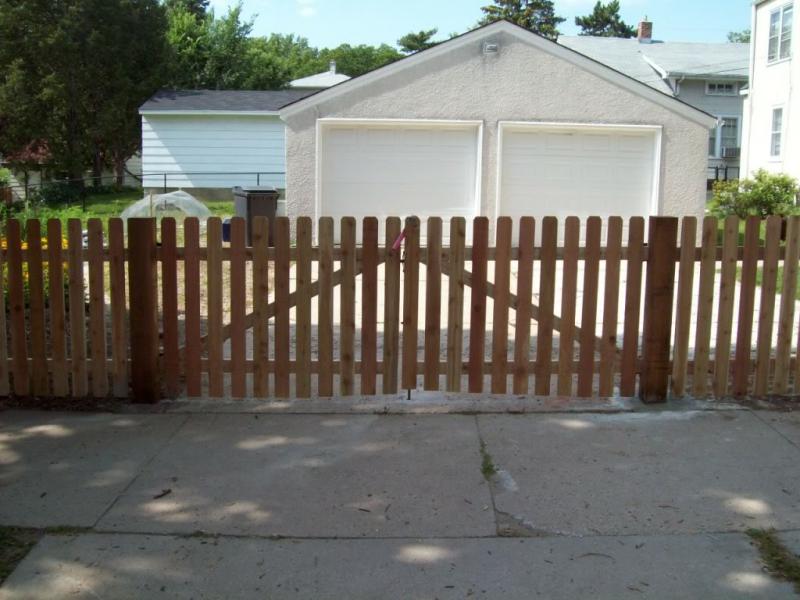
x: 224, y: 500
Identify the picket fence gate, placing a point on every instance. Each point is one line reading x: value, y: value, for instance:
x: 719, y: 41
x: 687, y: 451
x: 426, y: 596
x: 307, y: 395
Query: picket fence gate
x: 146, y: 317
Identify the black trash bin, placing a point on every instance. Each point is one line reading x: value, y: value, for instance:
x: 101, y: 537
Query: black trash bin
x: 260, y: 201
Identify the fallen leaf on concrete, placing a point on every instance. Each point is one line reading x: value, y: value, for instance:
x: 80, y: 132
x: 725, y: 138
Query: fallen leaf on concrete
x: 163, y: 493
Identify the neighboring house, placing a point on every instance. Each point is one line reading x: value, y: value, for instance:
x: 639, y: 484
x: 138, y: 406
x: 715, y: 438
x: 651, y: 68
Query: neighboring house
x: 498, y: 121
x: 210, y: 141
x: 772, y: 108
x: 708, y: 76
x: 321, y: 80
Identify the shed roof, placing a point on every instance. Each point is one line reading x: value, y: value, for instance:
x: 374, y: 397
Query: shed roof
x: 233, y: 101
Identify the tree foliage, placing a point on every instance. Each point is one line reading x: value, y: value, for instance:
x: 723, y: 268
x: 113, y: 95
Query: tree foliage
x: 199, y: 8
x: 537, y: 15
x: 73, y: 75
x: 416, y: 41
x: 605, y: 21
x: 739, y: 37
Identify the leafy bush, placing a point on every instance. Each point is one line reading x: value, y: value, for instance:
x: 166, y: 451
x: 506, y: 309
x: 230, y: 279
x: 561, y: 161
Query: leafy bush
x: 764, y: 195
x: 5, y: 177
x: 55, y: 194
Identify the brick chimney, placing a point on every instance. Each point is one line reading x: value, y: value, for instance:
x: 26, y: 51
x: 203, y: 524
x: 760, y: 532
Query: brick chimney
x: 645, y: 33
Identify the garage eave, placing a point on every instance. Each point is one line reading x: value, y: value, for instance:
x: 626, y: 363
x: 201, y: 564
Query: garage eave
x: 223, y: 113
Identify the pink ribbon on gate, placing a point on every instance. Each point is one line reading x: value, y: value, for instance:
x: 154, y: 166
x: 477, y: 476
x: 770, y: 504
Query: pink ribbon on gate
x: 399, y: 241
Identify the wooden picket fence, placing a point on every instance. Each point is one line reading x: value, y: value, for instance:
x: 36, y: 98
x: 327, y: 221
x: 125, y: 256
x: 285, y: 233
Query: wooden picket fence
x: 588, y: 309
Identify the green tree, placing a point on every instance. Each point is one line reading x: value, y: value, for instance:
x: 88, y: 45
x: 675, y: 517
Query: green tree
x: 357, y: 60
x: 763, y: 195
x: 739, y: 37
x: 416, y: 41
x: 75, y: 72
x: 199, y: 8
x: 537, y: 15
x: 605, y: 21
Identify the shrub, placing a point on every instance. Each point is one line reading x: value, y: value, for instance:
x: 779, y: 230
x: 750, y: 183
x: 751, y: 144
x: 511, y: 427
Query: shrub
x: 764, y: 195
x: 56, y: 194
x: 5, y: 177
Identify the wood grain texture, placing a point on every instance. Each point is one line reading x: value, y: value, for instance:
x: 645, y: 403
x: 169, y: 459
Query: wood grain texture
x: 16, y: 310
x: 547, y: 287
x: 608, y: 345
x: 303, y: 313
x: 214, y: 298
x: 169, y: 308
x: 705, y: 307
x: 411, y: 304
x: 97, y: 309
x: 119, y: 309
x: 57, y: 312
x: 193, y: 346
x: 683, y: 314
x: 783, y: 349
x: 629, y: 366
x: 477, y: 322
x: 522, y: 326
x: 369, y: 306
x: 347, y: 317
x: 591, y: 276
x: 391, y: 309
x: 260, y: 241
x: 40, y: 384
x: 325, y: 382
x: 727, y: 291
x: 502, y: 291
x: 77, y: 310
x: 455, y: 303
x: 5, y: 376
x: 433, y: 303
x: 282, y: 307
x: 742, y: 363
x: 569, y: 287
x: 238, y: 307
x: 766, y: 308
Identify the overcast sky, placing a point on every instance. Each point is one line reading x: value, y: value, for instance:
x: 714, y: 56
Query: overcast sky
x: 333, y: 22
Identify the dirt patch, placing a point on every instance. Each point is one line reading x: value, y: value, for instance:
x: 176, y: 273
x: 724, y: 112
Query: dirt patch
x: 64, y: 404
x: 15, y: 543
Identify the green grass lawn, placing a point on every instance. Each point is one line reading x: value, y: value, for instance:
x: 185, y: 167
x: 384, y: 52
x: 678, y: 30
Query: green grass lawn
x: 104, y: 207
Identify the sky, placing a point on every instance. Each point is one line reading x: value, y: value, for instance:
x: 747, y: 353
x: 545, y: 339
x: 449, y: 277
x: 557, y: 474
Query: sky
x: 328, y: 23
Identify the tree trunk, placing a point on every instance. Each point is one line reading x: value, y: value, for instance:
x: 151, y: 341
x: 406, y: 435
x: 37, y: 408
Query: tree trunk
x: 119, y: 170
x: 97, y: 169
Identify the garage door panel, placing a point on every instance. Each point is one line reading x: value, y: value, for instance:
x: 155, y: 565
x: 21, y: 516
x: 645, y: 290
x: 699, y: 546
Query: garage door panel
x: 562, y: 171
x: 398, y: 170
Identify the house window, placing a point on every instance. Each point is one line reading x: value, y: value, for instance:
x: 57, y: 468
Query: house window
x: 723, y: 141
x: 780, y: 34
x: 776, y: 140
x: 715, y: 88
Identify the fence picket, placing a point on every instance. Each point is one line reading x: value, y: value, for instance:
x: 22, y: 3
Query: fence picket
x: 705, y: 307
x: 260, y: 242
x: 547, y: 287
x: 569, y: 287
x: 766, y: 309
x: 16, y: 306
x: 633, y: 306
x: 77, y: 309
x: 747, y: 295
x: 282, y: 268
x: 433, y: 303
x: 5, y: 383
x: 522, y: 327
x: 191, y: 269
x: 58, y: 318
x: 238, y: 307
x: 216, y: 376
x: 727, y: 288
x: 369, y: 306
x: 40, y: 385
x: 411, y: 304
x: 783, y: 349
x: 477, y: 321
x: 608, y: 348
x: 591, y: 274
x: 325, y: 307
x: 502, y: 291
x: 391, y: 309
x: 347, y: 320
x: 455, y: 303
x: 119, y: 332
x: 97, y: 309
x: 683, y: 314
x: 169, y: 307
x: 303, y: 312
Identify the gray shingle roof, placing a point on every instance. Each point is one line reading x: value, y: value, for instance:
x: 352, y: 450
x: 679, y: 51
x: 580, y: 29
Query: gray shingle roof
x: 222, y: 100
x: 677, y: 59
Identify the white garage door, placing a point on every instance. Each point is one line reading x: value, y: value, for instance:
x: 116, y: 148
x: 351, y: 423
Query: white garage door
x: 387, y: 168
x: 550, y: 170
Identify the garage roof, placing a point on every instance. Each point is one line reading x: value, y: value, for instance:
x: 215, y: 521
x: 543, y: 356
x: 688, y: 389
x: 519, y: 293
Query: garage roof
x: 220, y: 101
x: 588, y: 63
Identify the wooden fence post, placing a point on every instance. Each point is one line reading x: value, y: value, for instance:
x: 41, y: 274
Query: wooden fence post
x: 143, y: 286
x: 658, y: 297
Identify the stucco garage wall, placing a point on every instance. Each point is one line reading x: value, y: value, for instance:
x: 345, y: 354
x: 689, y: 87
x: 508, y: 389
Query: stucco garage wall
x: 519, y: 83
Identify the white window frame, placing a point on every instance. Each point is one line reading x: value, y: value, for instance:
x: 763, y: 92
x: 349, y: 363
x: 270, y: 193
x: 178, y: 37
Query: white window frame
x: 718, y: 129
x: 655, y: 130
x: 781, y: 12
x: 733, y: 84
x: 781, y: 132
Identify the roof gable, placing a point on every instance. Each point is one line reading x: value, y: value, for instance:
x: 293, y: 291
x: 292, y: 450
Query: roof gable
x: 582, y: 61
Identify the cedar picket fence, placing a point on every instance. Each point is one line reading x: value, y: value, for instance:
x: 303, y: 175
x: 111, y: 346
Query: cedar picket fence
x: 160, y: 320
